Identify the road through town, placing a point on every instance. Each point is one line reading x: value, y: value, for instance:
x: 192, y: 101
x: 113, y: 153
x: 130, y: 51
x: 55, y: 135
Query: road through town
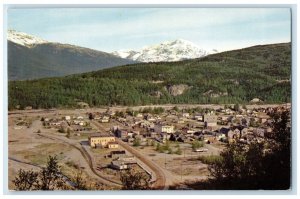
x: 160, y: 182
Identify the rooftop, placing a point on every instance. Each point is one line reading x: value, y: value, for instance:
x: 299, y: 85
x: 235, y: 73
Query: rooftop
x: 100, y: 135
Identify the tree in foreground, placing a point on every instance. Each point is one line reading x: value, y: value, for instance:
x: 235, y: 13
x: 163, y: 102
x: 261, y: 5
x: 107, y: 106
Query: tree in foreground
x: 133, y: 180
x: 49, y: 178
x: 80, y: 183
x: 26, y: 180
x: 259, y: 165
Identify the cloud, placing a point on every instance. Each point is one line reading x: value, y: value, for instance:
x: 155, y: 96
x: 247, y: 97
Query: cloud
x: 109, y: 28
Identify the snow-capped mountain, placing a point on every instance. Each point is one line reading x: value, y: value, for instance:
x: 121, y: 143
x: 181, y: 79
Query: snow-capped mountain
x: 167, y: 51
x: 30, y: 57
x: 24, y: 39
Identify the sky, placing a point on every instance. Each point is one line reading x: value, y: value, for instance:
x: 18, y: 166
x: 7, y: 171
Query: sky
x: 110, y: 29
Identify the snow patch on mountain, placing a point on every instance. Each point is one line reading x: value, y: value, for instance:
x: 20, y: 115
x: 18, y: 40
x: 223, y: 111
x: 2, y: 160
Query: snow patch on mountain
x: 24, y: 39
x: 166, y: 51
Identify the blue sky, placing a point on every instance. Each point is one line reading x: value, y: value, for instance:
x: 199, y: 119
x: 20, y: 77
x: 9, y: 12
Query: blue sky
x: 110, y: 29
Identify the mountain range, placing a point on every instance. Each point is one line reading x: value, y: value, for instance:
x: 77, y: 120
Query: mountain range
x: 176, y: 50
x: 30, y: 57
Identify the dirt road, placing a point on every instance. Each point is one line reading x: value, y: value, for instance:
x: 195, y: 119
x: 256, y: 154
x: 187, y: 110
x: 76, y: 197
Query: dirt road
x: 160, y: 176
x: 88, y: 159
x: 160, y: 182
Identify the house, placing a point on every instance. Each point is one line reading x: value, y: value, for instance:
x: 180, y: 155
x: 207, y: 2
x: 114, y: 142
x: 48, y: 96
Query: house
x: 234, y: 134
x: 244, y: 132
x: 121, y: 133
x: 80, y: 128
x: 190, y: 131
x: 150, y: 118
x: 128, y: 159
x: 177, y: 137
x: 223, y: 133
x: 186, y: 115
x: 119, y: 165
x: 181, y: 120
x: 135, y: 132
x: 198, y: 135
x: 130, y: 134
x: 114, y: 128
x: 209, y: 138
x: 101, y: 140
x: 79, y: 122
x: 55, y: 123
x: 112, y: 145
x: 159, y: 128
x: 111, y: 113
x: 210, y: 121
x: 80, y: 118
x: 67, y: 117
x: 117, y: 154
x: 260, y: 132
x: 104, y: 119
x: 199, y: 117
x: 139, y: 115
x: 181, y: 138
x: 210, y: 118
x: 165, y: 136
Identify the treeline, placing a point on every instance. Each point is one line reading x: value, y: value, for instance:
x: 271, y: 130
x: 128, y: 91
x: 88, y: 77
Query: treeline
x: 232, y: 77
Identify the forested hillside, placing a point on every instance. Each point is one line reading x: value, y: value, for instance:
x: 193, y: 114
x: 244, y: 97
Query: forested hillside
x: 55, y: 59
x: 238, y: 76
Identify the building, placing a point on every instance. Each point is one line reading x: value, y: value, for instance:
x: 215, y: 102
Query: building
x: 119, y: 165
x: 117, y: 154
x: 230, y: 134
x: 164, y: 128
x: 112, y: 145
x: 186, y: 115
x: 127, y: 159
x: 80, y: 118
x: 210, y: 118
x: 210, y: 121
x: 198, y: 118
x: 121, y: 133
x: 139, y: 115
x: 104, y: 119
x: 100, y: 140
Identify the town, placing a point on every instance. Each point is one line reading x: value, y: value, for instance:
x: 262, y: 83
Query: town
x: 169, y: 144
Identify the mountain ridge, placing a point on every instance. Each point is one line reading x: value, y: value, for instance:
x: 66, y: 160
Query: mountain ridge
x: 175, y: 50
x: 24, y: 39
x: 30, y: 57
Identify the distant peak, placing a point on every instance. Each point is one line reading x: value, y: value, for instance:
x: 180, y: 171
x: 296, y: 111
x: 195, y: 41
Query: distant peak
x: 182, y: 41
x: 24, y: 39
x: 174, y: 50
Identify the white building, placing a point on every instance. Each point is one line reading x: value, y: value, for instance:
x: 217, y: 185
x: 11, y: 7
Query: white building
x: 186, y: 115
x: 164, y: 128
